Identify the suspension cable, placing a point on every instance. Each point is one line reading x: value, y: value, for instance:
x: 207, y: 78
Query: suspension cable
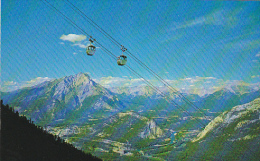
x: 179, y: 94
x: 128, y: 67
x: 114, y: 56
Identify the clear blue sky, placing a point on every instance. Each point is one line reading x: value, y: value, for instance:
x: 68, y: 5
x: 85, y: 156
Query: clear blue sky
x: 176, y: 39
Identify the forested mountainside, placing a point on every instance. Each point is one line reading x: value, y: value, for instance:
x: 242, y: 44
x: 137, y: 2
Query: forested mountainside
x: 22, y: 140
x: 233, y: 135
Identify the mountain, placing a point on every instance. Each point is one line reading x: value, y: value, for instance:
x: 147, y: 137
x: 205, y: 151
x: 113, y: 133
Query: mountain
x: 223, y: 100
x: 238, y: 87
x: 134, y: 91
x: 233, y: 135
x: 124, y: 122
x: 69, y: 99
x: 230, y: 94
x: 235, y: 87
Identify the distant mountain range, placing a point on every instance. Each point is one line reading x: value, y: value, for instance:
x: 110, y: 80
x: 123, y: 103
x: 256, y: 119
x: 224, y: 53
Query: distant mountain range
x: 204, y: 88
x: 122, y: 120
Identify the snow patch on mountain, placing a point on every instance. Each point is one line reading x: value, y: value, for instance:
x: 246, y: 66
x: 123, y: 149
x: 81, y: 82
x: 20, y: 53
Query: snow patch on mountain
x: 198, y: 85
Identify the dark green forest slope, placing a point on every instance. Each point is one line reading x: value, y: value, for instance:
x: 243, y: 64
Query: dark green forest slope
x: 22, y: 140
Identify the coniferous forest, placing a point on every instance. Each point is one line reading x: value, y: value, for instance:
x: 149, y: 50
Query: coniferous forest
x: 22, y: 140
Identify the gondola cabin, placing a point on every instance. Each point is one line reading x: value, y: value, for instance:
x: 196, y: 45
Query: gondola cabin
x: 90, y: 49
x: 121, y: 60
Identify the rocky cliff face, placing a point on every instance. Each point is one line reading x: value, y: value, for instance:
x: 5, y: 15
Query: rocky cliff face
x: 243, y: 116
x: 80, y: 85
x: 233, y: 135
x: 151, y: 131
x: 69, y: 98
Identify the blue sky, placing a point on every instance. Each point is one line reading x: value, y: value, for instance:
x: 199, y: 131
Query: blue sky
x: 176, y: 39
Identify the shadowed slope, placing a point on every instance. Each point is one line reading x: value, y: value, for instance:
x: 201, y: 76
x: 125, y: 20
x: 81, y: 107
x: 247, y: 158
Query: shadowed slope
x: 22, y: 140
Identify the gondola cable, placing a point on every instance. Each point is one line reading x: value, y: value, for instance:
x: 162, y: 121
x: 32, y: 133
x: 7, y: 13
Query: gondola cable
x: 114, y: 56
x: 111, y: 54
x: 179, y: 94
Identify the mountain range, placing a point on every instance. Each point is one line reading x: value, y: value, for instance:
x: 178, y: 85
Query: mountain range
x: 120, y: 121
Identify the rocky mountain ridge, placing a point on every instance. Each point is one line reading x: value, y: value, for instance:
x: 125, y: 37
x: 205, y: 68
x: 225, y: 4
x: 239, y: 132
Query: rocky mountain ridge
x: 60, y: 98
x: 83, y: 112
x: 236, y: 133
